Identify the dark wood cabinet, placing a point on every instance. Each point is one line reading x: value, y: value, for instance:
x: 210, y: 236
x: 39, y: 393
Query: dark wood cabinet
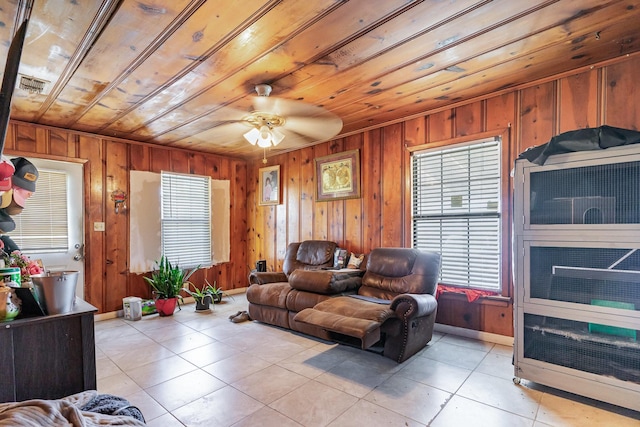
x: 48, y: 357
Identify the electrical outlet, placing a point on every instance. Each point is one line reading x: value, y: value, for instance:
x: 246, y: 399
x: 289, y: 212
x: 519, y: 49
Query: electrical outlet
x: 98, y: 226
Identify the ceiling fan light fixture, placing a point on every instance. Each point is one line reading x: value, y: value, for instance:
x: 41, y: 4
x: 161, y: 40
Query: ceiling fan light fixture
x: 276, y: 136
x: 264, y: 136
x: 264, y: 140
x: 264, y: 143
x: 252, y: 136
x: 274, y: 118
x: 265, y: 133
x: 263, y: 89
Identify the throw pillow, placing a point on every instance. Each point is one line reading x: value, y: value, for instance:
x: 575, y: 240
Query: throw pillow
x: 340, y: 258
x: 355, y: 260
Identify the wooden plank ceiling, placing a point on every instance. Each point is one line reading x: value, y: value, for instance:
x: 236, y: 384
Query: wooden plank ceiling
x: 182, y: 73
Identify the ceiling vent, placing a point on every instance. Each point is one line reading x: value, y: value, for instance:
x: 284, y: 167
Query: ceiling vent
x: 32, y: 84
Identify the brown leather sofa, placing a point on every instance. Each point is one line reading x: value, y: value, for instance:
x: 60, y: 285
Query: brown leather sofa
x: 391, y: 310
x: 276, y: 297
x: 394, y: 309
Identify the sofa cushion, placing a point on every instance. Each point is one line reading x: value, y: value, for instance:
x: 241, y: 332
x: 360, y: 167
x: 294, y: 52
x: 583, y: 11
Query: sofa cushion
x: 299, y: 300
x: 308, y: 255
x: 355, y: 317
x: 325, y: 281
x: 394, y: 271
x: 361, y: 308
x: 315, y: 252
x: 367, y: 331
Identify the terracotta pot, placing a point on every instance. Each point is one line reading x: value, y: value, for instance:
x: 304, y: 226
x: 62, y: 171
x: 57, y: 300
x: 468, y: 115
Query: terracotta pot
x: 166, y: 307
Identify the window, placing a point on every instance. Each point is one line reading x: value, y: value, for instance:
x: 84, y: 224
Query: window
x: 186, y: 219
x: 42, y: 226
x: 456, y: 211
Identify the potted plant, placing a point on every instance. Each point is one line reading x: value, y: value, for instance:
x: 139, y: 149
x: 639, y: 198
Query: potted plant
x: 216, y: 293
x: 203, y: 297
x: 167, y: 281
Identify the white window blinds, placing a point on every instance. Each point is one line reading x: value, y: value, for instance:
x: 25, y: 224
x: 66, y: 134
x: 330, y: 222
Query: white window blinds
x: 456, y: 211
x: 43, y: 224
x: 186, y: 219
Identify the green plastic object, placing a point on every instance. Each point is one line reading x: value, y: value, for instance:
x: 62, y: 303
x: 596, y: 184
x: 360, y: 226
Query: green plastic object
x: 148, y: 307
x: 612, y: 330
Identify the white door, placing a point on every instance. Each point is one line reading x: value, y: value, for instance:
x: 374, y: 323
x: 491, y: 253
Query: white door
x: 71, y: 259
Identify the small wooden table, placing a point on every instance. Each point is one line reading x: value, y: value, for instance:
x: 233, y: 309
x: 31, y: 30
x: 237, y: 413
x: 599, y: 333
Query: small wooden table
x: 48, y: 357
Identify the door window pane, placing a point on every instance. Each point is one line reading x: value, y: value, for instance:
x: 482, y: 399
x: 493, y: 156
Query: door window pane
x: 43, y: 224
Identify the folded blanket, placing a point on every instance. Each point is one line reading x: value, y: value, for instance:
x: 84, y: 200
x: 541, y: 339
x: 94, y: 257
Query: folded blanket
x: 61, y: 412
x: 472, y: 294
x: 113, y: 405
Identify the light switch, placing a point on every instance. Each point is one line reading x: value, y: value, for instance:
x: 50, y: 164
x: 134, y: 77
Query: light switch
x: 98, y: 226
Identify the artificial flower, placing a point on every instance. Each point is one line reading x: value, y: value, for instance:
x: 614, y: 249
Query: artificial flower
x: 26, y: 265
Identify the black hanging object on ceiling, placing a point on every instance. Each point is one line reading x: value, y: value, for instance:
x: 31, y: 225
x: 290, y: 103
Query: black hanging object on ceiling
x: 9, y: 80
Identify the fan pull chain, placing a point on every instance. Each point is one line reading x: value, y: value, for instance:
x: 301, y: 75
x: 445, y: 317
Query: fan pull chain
x: 264, y: 156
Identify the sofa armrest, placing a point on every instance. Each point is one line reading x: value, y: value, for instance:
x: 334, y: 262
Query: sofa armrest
x: 264, y: 277
x: 408, y: 306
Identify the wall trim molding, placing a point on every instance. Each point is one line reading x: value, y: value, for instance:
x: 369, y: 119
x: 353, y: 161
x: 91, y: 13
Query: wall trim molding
x: 473, y: 334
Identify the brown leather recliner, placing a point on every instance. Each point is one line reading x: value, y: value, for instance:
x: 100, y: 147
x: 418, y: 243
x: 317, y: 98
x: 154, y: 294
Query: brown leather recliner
x: 276, y: 297
x: 394, y: 309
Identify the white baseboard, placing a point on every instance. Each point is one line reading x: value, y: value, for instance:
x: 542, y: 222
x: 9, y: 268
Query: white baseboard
x: 473, y: 334
x: 108, y: 315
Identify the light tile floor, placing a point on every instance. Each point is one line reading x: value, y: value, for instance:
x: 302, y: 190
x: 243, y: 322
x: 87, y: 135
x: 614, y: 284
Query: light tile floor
x: 197, y: 369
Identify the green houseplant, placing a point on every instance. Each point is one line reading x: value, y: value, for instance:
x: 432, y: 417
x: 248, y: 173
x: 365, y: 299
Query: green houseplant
x: 206, y: 295
x: 203, y: 297
x: 217, y: 293
x: 166, y: 282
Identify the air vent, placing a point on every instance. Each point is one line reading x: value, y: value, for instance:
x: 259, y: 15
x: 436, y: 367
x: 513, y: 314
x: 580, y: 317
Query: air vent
x: 32, y: 84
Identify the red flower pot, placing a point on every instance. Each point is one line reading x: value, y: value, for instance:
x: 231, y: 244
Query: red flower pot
x: 166, y: 307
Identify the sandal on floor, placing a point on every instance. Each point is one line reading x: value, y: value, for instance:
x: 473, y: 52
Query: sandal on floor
x: 242, y: 317
x: 235, y: 314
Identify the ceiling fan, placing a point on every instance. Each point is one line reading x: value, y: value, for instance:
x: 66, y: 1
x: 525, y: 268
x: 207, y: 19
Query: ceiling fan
x: 273, y: 120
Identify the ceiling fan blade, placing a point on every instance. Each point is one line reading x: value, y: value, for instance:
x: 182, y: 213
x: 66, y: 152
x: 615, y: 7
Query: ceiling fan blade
x: 318, y: 128
x: 293, y: 139
x: 310, y: 121
x: 286, y: 108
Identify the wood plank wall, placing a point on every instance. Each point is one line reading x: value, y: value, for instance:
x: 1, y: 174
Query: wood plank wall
x: 381, y: 217
x: 604, y: 94
x: 106, y: 168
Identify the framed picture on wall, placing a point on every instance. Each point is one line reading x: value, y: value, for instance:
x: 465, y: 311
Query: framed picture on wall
x: 269, y: 186
x: 338, y: 176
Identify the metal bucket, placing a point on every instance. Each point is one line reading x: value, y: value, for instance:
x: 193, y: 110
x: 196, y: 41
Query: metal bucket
x: 56, y: 291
